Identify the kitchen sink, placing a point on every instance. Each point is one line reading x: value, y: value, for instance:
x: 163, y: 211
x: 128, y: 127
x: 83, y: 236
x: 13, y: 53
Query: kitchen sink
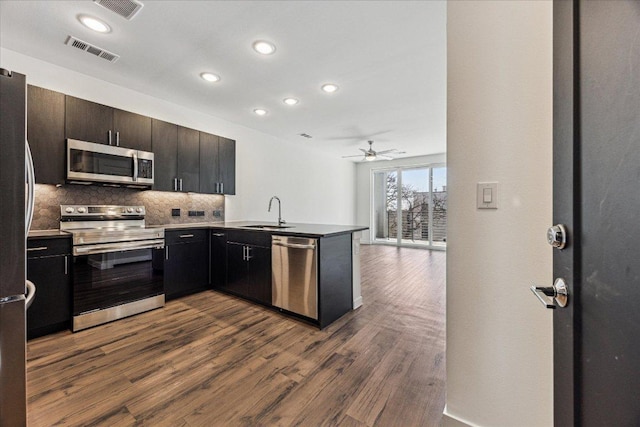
x: 269, y: 226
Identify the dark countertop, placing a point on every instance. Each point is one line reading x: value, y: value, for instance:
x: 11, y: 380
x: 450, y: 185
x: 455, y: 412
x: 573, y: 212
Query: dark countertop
x: 48, y: 234
x: 292, y: 229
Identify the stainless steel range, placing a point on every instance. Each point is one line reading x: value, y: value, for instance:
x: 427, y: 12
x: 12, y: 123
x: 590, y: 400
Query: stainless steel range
x: 113, y: 272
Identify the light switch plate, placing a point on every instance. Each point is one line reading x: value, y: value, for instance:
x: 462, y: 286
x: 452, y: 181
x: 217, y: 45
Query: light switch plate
x: 487, y: 195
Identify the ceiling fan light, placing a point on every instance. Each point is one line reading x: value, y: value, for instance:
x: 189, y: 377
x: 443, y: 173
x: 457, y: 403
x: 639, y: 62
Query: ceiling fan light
x: 369, y: 157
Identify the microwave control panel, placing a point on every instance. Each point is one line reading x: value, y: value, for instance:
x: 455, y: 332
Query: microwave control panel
x: 145, y: 168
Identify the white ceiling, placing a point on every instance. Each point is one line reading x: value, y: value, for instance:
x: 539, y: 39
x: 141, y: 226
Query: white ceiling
x: 388, y: 57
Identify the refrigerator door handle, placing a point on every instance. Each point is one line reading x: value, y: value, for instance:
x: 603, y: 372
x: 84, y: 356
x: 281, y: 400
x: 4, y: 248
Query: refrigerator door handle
x: 31, y: 294
x: 31, y: 181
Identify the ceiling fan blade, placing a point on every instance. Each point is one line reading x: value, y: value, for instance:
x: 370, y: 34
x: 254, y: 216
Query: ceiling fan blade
x: 393, y: 150
x: 385, y: 157
x: 363, y: 150
x: 357, y: 155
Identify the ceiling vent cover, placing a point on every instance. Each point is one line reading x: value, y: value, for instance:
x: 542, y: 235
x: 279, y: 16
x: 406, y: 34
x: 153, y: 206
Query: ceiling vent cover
x: 92, y: 49
x: 125, y: 8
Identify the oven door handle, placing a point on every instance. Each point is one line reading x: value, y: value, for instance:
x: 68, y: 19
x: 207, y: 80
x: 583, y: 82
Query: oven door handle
x: 118, y: 247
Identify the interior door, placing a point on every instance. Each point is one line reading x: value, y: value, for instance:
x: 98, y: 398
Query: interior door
x: 596, y: 195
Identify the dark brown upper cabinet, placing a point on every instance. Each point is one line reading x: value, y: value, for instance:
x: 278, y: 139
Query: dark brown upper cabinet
x: 217, y: 164
x: 188, y: 159
x: 164, y: 137
x: 45, y: 133
x: 89, y: 121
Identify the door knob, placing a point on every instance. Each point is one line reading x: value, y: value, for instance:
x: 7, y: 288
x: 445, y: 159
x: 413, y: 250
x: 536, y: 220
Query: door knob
x: 557, y: 236
x: 553, y: 296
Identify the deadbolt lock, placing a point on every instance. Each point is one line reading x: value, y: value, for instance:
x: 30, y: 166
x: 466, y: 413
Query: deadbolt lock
x: 557, y: 236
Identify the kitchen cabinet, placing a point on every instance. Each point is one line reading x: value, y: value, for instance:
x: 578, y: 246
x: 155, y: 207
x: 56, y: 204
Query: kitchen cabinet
x: 249, y: 265
x: 218, y: 261
x: 93, y: 122
x: 164, y: 139
x: 188, y: 159
x: 45, y: 133
x: 49, y: 268
x: 177, y: 157
x: 217, y: 164
x: 186, y: 262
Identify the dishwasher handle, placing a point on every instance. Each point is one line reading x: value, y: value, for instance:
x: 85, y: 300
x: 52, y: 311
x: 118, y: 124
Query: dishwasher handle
x: 293, y: 245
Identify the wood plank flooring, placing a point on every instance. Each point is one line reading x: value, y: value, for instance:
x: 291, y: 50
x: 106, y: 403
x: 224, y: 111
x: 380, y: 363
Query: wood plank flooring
x: 214, y: 360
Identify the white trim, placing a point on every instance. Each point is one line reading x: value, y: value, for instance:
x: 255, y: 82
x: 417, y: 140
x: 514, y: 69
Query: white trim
x: 449, y: 420
x: 357, y: 302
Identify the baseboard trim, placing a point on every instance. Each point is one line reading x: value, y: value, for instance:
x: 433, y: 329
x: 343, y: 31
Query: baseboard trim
x: 449, y: 420
x: 357, y: 302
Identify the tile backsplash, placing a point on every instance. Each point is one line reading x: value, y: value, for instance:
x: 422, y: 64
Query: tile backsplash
x: 158, y: 203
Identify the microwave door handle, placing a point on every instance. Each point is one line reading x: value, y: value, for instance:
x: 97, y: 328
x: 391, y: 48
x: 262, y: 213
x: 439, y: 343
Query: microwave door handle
x: 135, y: 166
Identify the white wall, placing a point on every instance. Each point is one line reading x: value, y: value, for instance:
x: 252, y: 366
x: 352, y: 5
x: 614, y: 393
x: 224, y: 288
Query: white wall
x: 318, y: 189
x: 365, y: 189
x: 499, y: 337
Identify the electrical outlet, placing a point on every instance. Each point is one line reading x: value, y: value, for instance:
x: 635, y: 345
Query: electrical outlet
x: 175, y: 212
x: 193, y: 213
x: 217, y: 214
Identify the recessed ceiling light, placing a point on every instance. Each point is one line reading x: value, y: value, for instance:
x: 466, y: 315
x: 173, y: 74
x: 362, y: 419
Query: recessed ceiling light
x: 264, y: 47
x: 260, y: 111
x: 94, y: 24
x: 210, y: 77
x: 329, y: 87
x: 290, y: 101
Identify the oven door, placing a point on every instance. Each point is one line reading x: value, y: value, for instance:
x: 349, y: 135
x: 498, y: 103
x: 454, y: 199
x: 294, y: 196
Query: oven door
x: 109, y: 282
x: 90, y: 162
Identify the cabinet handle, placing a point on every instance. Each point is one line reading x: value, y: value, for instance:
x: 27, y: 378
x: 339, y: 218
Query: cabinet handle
x: 66, y: 265
x: 39, y: 248
x: 217, y: 234
x: 117, y: 139
x: 180, y: 184
x: 249, y: 256
x: 166, y: 252
x: 186, y: 236
x: 221, y: 187
x: 109, y: 137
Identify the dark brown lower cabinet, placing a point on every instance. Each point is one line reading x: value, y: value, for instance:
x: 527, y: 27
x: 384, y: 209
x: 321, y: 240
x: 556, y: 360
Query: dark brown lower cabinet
x: 249, y: 268
x: 49, y: 268
x: 186, y: 262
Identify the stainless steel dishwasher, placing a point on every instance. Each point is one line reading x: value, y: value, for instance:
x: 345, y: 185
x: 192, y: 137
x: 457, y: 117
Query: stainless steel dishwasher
x: 294, y: 262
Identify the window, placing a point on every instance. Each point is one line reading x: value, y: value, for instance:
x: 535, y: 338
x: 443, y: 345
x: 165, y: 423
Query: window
x: 410, y: 206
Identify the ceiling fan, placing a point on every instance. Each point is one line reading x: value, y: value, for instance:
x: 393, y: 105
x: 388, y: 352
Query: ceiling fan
x: 371, y: 154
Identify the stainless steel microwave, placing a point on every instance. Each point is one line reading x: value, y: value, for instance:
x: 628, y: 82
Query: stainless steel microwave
x: 88, y: 162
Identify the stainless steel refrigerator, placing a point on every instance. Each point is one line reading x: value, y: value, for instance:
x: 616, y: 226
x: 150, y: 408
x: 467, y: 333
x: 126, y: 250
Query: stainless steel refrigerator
x: 16, y: 208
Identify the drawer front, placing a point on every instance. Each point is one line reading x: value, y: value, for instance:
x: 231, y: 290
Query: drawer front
x: 48, y: 247
x: 186, y: 235
x: 256, y: 238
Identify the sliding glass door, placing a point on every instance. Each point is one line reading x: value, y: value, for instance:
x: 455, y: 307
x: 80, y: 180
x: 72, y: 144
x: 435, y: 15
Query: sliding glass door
x: 410, y: 206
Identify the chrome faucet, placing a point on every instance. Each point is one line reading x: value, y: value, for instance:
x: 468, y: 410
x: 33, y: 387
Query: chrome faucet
x: 280, y: 220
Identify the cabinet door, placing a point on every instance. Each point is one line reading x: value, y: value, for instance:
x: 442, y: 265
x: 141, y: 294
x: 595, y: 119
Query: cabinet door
x: 227, y: 165
x: 209, y: 171
x: 189, y: 159
x: 164, y: 138
x: 259, y: 280
x: 51, y: 308
x: 186, y: 269
x: 45, y: 133
x: 88, y: 121
x: 237, y: 271
x: 132, y: 130
x: 218, y: 263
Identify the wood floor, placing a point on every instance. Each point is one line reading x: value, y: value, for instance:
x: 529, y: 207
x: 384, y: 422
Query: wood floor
x: 214, y: 360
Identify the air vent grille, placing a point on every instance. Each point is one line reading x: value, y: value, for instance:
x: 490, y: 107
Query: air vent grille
x: 92, y: 49
x: 125, y: 8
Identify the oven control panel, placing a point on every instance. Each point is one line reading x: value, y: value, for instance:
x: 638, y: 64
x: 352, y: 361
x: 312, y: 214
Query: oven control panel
x: 68, y: 211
